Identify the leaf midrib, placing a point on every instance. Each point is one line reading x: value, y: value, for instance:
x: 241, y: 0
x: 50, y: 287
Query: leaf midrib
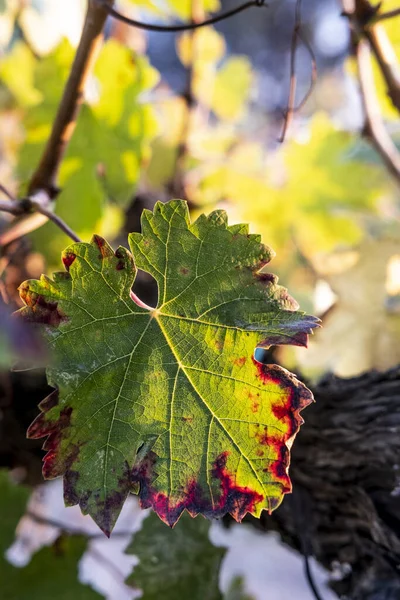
x: 213, y: 415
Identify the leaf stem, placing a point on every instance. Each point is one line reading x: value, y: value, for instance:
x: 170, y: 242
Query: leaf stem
x: 59, y: 222
x: 140, y: 302
x: 387, y: 15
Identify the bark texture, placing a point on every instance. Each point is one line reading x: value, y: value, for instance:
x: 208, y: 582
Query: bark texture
x: 345, y: 507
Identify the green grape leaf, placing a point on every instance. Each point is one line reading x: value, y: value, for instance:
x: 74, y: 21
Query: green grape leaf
x: 52, y: 573
x: 315, y: 194
x: 169, y: 402
x: 232, y: 89
x: 176, y: 564
x: 109, y: 145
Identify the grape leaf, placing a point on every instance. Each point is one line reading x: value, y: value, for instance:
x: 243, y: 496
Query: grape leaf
x: 52, y: 572
x: 169, y: 402
x: 176, y: 564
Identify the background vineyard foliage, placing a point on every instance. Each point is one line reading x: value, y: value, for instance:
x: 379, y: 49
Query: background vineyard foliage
x: 322, y: 200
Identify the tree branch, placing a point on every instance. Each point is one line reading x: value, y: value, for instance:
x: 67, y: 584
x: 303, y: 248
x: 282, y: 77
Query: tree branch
x: 10, y: 207
x: 388, y: 15
x: 45, y: 176
x: 368, y: 25
x: 291, y: 109
x: 44, y: 179
x: 175, y: 28
x: 35, y: 208
x: 375, y: 127
x: 360, y: 13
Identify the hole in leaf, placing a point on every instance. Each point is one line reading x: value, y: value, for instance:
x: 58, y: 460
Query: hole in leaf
x: 266, y: 357
x: 146, y: 288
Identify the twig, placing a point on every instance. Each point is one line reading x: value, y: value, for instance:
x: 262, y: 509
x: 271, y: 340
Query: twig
x: 359, y: 14
x: 59, y: 222
x: 175, y: 28
x: 368, y: 23
x: 6, y: 192
x: 302, y: 514
x: 375, y: 127
x: 10, y: 207
x: 387, y: 15
x: 314, y: 70
x: 45, y: 177
x: 31, y: 207
x: 291, y: 109
x: 177, y: 187
x: 310, y: 578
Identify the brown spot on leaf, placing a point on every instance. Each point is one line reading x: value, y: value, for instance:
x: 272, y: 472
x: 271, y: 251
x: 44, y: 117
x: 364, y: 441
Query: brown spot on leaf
x: 255, y: 402
x: 121, y: 262
x: 68, y: 258
x: 105, y: 250
x: 239, y: 362
x: 40, y: 309
x: 267, y: 277
x: 184, y: 271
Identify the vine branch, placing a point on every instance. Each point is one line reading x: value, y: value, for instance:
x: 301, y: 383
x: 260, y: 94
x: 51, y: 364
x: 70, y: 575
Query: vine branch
x: 291, y: 108
x: 375, y: 128
x: 366, y: 41
x: 34, y: 207
x: 44, y: 179
x: 369, y: 26
x: 46, y: 173
x: 388, y: 15
x: 176, y: 28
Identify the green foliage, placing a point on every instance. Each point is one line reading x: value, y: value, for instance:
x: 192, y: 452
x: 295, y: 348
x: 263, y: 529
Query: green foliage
x: 111, y: 141
x: 172, y: 392
x: 181, y: 563
x: 226, y: 89
x: 314, y: 195
x: 52, y: 572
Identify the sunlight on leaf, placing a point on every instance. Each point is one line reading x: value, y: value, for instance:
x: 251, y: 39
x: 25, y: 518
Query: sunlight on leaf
x: 169, y: 402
